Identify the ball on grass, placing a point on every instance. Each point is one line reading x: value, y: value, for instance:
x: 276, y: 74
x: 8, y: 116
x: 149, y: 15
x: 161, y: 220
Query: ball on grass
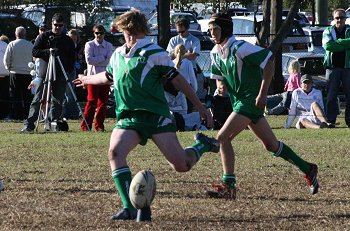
x: 142, y: 189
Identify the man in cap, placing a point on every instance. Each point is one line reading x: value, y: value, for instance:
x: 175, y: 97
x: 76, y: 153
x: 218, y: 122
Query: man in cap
x: 246, y: 70
x: 307, y: 105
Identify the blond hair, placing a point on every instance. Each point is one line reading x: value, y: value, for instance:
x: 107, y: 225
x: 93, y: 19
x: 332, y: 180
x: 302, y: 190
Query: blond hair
x: 179, y: 52
x: 132, y: 21
x: 294, y: 67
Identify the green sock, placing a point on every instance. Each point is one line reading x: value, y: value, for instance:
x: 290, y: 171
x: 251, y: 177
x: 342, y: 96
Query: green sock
x: 289, y: 155
x: 229, y: 179
x: 122, y: 179
x: 200, y: 148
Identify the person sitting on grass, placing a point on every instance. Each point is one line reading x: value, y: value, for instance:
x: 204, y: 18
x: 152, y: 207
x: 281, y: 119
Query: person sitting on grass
x: 307, y: 105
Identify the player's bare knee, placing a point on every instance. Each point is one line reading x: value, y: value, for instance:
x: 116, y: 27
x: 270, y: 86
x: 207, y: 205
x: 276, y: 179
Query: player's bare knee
x: 112, y: 154
x: 182, y: 167
x: 222, y: 138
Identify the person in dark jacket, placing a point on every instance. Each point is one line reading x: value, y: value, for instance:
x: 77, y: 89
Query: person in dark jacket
x: 53, y: 42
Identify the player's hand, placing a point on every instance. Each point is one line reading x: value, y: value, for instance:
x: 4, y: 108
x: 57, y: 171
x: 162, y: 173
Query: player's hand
x: 79, y: 82
x: 261, y: 101
x: 207, y: 117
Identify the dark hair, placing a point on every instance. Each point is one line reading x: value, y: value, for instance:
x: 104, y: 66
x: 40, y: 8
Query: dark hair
x: 183, y: 22
x: 99, y: 27
x: 58, y: 17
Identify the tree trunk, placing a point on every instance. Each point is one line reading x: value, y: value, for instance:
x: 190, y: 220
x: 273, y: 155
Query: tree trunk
x: 163, y: 23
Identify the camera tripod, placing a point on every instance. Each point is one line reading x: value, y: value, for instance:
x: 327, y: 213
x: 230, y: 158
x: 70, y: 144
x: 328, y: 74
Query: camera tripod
x: 46, y: 95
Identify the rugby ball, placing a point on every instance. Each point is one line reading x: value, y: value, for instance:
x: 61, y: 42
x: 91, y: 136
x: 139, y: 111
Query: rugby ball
x: 142, y: 189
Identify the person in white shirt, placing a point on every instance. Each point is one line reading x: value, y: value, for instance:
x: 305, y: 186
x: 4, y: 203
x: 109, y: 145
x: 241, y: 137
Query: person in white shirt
x: 307, y: 106
x: 17, y: 56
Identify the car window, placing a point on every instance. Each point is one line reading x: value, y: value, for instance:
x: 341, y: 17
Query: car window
x: 247, y: 27
x: 312, y: 66
x: 237, y: 26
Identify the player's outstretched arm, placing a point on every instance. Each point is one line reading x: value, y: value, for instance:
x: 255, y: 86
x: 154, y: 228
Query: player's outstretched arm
x: 98, y: 79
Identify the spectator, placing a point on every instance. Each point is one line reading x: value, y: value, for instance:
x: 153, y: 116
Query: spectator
x: 70, y: 108
x: 307, y: 106
x: 220, y: 105
x: 54, y: 42
x: 292, y: 83
x: 336, y: 42
x: 17, y: 56
x: 191, y: 43
x: 178, y: 104
x: 97, y: 55
x: 4, y: 79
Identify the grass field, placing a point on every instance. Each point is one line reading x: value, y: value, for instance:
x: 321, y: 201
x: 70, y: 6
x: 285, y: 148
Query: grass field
x: 62, y: 181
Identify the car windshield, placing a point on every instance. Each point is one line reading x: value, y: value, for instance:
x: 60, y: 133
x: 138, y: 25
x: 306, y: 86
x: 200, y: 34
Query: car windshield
x: 312, y: 66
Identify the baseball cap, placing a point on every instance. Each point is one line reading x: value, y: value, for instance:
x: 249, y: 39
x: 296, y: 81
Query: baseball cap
x: 305, y: 78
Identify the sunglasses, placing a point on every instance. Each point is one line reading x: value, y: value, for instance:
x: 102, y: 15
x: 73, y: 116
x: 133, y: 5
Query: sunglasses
x: 340, y: 17
x: 58, y: 25
x: 99, y: 33
x: 181, y: 32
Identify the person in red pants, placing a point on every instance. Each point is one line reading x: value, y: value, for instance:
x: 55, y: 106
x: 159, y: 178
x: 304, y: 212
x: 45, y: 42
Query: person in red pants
x: 97, y: 55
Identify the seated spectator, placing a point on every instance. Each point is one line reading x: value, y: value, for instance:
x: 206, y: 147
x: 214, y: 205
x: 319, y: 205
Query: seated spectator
x: 284, y: 98
x: 307, y: 106
x: 178, y: 103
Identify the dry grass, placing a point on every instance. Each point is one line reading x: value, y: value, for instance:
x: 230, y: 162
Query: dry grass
x: 62, y: 182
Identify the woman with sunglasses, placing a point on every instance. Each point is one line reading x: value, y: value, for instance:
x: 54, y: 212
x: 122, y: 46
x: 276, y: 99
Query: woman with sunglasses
x: 97, y: 55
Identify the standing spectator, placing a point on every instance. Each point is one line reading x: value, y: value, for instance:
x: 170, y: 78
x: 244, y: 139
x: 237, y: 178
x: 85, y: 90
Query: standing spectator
x: 97, y: 55
x: 4, y: 79
x: 246, y: 70
x: 70, y: 108
x: 57, y: 43
x: 293, y: 82
x: 17, y: 56
x: 307, y: 105
x: 191, y: 43
x: 336, y: 42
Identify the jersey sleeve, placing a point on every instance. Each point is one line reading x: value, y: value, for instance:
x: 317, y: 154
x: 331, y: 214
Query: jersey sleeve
x: 253, y: 54
x: 215, y: 68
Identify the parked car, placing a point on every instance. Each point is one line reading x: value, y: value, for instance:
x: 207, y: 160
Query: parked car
x: 310, y: 63
x: 76, y: 18
x: 106, y: 16
x: 243, y: 28
x: 237, y: 11
x: 300, y: 17
x: 315, y: 37
x: 9, y: 23
x: 194, y: 25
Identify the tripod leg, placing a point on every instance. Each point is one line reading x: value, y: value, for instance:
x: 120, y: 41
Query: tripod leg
x: 73, y: 93
x: 51, y: 71
x: 43, y: 93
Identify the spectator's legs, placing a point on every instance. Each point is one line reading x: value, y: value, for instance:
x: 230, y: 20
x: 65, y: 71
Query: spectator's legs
x: 57, y: 94
x: 333, y: 83
x: 90, y: 107
x: 346, y: 88
x: 101, y: 110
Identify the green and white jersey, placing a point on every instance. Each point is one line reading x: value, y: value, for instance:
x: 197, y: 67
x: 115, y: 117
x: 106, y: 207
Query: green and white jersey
x: 138, y: 78
x: 240, y: 65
